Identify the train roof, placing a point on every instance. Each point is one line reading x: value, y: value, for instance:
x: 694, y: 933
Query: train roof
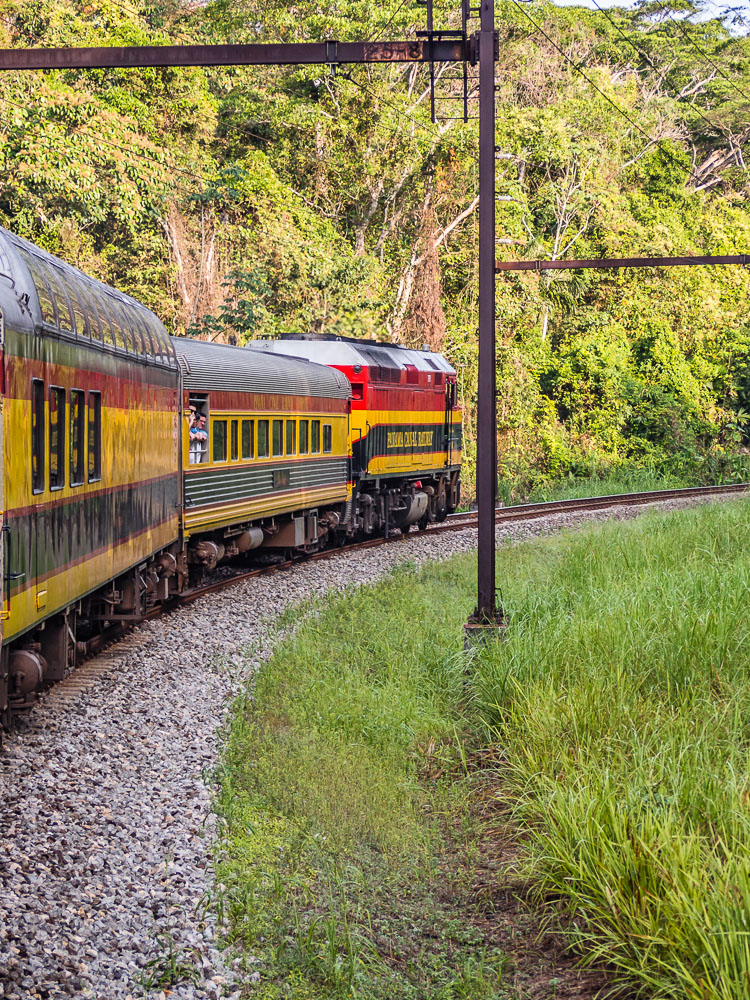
x: 207, y: 366
x: 347, y: 351
x: 45, y: 293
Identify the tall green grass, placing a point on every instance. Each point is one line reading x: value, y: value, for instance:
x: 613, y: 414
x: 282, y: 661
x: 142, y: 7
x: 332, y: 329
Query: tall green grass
x: 618, y: 713
x: 621, y: 704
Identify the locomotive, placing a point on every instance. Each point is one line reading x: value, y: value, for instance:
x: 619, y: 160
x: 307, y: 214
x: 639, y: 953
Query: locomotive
x: 113, y: 502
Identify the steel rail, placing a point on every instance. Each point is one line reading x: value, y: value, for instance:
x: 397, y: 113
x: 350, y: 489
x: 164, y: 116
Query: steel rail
x: 468, y: 519
x: 106, y: 655
x: 539, y: 509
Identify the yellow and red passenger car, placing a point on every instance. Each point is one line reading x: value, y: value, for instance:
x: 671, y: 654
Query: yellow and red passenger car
x: 90, y: 475
x: 274, y: 469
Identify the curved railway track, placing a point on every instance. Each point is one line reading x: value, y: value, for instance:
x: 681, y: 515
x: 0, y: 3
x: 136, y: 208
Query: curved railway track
x: 124, y: 641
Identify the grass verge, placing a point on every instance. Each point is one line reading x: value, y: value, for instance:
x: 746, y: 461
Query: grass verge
x: 613, y: 720
x: 346, y: 807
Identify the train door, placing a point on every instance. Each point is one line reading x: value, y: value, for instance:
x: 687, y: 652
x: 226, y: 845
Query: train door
x: 36, y: 537
x: 5, y: 607
x: 5, y: 602
x: 451, y: 397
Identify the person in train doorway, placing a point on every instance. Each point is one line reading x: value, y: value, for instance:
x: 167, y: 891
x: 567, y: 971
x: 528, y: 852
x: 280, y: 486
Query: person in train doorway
x: 198, y: 436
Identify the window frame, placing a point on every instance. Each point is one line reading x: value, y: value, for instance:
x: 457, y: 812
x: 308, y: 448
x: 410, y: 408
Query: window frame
x: 234, y: 440
x: 314, y: 437
x: 304, y: 433
x: 38, y: 435
x: 249, y: 426
x: 94, y: 420
x: 216, y: 424
x: 264, y: 446
x: 58, y: 393
x: 277, y: 425
x: 327, y: 439
x: 77, y: 457
x: 291, y: 447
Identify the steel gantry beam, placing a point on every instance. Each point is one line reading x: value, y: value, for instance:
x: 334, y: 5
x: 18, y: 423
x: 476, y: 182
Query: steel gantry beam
x: 617, y: 262
x: 271, y: 54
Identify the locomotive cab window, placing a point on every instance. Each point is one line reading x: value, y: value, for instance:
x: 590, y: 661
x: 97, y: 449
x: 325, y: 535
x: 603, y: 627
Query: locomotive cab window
x: 95, y: 437
x: 56, y: 438
x: 219, y: 439
x: 327, y: 438
x: 77, y: 437
x: 315, y: 437
x: 291, y: 437
x: 278, y: 444
x: 247, y: 439
x: 262, y: 439
x: 304, y: 437
x: 234, y: 441
x: 37, y: 435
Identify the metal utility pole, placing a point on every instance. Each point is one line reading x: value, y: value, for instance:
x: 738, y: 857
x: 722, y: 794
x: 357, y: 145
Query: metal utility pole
x: 488, y: 617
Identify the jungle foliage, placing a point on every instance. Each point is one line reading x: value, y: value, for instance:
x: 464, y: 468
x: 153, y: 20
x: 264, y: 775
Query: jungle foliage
x: 245, y: 202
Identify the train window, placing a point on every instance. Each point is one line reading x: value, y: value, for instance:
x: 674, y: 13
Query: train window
x: 37, y: 436
x: 64, y: 312
x: 291, y: 437
x: 160, y: 337
x: 315, y: 437
x: 92, y: 317
x: 119, y: 335
x: 278, y: 443
x: 56, y: 438
x: 131, y: 340
x: 78, y: 313
x: 40, y: 283
x: 77, y: 435
x: 304, y: 437
x: 142, y: 339
x: 150, y: 347
x: 219, y: 436
x: 327, y: 438
x: 247, y: 439
x: 262, y: 439
x: 234, y: 441
x: 95, y: 437
x: 109, y: 334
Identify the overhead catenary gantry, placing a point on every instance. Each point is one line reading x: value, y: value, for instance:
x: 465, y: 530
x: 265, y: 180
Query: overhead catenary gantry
x: 479, y: 48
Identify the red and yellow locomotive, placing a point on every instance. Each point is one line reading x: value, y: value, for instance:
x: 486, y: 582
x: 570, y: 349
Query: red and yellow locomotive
x: 405, y: 428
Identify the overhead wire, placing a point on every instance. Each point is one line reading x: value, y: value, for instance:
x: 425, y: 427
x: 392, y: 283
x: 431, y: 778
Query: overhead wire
x: 108, y: 142
x: 705, y: 55
x: 645, y: 56
x: 115, y: 145
x: 654, y: 142
x: 388, y: 23
x: 394, y: 107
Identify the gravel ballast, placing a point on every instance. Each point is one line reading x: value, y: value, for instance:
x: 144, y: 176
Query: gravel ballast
x: 105, y: 797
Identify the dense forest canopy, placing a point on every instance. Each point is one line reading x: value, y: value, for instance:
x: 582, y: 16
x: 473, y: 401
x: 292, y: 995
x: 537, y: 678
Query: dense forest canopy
x: 246, y: 202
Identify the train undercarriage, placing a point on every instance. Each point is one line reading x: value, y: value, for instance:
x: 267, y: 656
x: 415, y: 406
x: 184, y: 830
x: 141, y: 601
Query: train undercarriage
x: 380, y: 506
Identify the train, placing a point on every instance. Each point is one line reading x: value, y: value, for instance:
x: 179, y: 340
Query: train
x: 135, y: 462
